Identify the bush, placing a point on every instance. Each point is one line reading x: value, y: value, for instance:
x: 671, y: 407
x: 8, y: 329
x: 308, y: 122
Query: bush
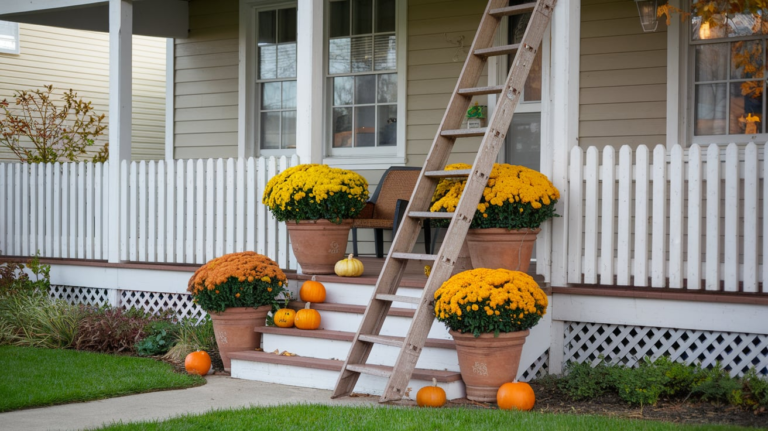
x: 112, y: 330
x: 192, y: 337
x: 582, y: 381
x: 642, y: 385
x: 36, y: 320
x: 755, y: 389
x: 14, y: 280
x: 161, y: 335
x: 716, y: 385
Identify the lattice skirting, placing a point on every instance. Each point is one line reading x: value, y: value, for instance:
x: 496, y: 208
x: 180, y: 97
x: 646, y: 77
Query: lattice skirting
x: 628, y: 345
x: 80, y: 295
x: 539, y: 368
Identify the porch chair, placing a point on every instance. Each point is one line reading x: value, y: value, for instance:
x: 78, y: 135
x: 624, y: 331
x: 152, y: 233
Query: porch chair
x: 386, y: 208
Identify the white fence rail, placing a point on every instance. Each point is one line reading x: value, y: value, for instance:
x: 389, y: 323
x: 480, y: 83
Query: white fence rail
x: 664, y: 222
x: 186, y: 211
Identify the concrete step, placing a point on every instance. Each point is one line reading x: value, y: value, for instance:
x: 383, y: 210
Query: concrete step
x: 323, y: 373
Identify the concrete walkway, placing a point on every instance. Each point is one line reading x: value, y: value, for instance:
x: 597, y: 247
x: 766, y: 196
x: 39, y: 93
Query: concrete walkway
x: 219, y: 393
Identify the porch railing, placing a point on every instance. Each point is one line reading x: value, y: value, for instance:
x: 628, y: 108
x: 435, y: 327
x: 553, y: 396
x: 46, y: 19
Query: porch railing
x: 686, y: 218
x: 186, y: 211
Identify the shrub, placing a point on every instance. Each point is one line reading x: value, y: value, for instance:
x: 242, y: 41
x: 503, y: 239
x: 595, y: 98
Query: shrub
x: 642, y: 385
x: 36, y: 320
x: 755, y: 390
x: 160, y: 336
x: 582, y: 381
x: 14, y: 280
x: 192, y: 337
x: 715, y: 384
x: 111, y: 330
x: 312, y: 192
x: 484, y: 300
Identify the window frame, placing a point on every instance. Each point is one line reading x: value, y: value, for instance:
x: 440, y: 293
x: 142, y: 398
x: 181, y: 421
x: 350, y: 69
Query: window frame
x: 372, y: 157
x: 16, y: 51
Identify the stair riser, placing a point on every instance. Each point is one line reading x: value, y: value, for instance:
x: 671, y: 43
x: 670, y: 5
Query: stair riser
x: 393, y: 325
x: 430, y: 358
x: 360, y: 294
x: 326, y: 379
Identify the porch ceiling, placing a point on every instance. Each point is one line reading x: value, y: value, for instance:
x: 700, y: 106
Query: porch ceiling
x: 158, y: 18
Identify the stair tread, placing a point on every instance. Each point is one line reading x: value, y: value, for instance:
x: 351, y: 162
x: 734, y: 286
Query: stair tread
x: 497, y: 50
x: 399, y: 298
x: 414, y: 256
x: 344, y: 336
x: 430, y: 214
x: 350, y: 308
x: 456, y: 173
x: 336, y: 365
x: 513, y: 10
x: 463, y: 133
x: 478, y: 91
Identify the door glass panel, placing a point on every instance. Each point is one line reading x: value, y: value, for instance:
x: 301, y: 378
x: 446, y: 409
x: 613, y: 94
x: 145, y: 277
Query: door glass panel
x: 524, y: 140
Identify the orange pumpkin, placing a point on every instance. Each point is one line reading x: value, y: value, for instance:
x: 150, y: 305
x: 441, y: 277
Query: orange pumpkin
x: 312, y: 291
x: 515, y: 395
x: 431, y: 396
x: 198, y: 363
x: 284, y: 318
x: 307, y: 318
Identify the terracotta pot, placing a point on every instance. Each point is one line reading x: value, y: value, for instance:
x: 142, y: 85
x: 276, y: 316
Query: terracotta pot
x: 487, y: 362
x: 234, y: 330
x: 501, y: 248
x: 319, y: 244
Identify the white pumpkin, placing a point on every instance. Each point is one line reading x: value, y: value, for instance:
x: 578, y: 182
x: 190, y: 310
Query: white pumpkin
x: 349, y: 267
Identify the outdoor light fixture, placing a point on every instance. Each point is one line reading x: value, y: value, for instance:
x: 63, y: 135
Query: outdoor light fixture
x: 647, y: 11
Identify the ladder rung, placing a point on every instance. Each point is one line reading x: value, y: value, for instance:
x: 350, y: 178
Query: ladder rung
x: 414, y: 256
x: 478, y: 91
x: 379, y: 339
x: 498, y: 50
x: 463, y: 133
x: 370, y: 369
x: 448, y: 174
x: 513, y: 10
x: 398, y: 298
x: 429, y: 214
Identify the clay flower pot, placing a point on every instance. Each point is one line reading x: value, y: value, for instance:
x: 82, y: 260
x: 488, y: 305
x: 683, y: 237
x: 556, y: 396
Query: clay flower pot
x: 318, y: 244
x: 487, y: 362
x: 234, y: 330
x: 501, y: 248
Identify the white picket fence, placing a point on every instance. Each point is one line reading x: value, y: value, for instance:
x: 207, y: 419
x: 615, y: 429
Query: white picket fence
x: 186, y: 211
x: 665, y: 222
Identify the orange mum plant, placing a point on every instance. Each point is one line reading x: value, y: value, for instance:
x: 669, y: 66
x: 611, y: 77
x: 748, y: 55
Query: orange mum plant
x: 245, y: 279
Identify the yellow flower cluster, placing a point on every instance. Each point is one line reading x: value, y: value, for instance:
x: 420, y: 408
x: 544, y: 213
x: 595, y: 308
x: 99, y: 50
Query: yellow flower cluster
x: 315, y: 183
x: 507, y: 183
x: 493, y: 290
x: 246, y: 266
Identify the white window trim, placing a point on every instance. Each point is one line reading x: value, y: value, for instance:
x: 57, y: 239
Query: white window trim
x: 248, y: 98
x: 16, y: 51
x: 371, y: 157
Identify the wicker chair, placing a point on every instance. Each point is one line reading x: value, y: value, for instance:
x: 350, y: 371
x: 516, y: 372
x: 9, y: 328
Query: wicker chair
x: 386, y: 207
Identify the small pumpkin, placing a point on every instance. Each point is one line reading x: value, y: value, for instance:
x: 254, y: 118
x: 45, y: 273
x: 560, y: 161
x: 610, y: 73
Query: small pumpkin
x: 307, y: 318
x: 516, y: 395
x: 198, y: 363
x: 284, y: 318
x: 431, y: 396
x: 349, y: 267
x: 312, y: 291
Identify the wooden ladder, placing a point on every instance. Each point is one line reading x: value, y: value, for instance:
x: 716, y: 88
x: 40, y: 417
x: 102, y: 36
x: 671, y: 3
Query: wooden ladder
x: 418, y: 207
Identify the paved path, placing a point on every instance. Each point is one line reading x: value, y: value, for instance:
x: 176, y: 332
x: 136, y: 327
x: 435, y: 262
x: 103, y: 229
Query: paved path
x: 219, y: 393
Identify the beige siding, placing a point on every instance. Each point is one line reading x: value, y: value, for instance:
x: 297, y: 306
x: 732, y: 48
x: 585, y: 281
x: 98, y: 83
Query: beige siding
x: 79, y: 60
x: 623, y: 77
x: 434, y: 65
x: 206, y: 70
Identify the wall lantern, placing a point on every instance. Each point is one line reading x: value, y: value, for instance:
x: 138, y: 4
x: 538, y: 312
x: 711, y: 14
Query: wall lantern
x: 647, y: 11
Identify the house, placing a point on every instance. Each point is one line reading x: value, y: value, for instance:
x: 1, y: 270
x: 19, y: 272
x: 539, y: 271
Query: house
x: 35, y: 55
x: 655, y: 143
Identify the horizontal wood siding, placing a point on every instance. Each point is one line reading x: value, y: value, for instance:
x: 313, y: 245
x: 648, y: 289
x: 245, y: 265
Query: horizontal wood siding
x: 623, y: 77
x: 206, y: 71
x: 79, y: 60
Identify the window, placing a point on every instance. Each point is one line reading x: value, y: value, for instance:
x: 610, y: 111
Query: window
x: 276, y: 78
x: 362, y: 71
x: 9, y: 37
x: 728, y: 57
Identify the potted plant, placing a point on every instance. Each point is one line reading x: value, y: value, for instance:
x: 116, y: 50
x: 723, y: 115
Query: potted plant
x: 317, y: 203
x: 489, y: 313
x: 238, y: 291
x: 515, y: 202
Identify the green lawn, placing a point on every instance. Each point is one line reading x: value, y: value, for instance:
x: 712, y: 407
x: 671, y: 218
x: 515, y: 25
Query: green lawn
x: 39, y: 377
x: 316, y: 417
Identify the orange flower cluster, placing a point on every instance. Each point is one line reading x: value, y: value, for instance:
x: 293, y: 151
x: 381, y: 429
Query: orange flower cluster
x: 245, y: 266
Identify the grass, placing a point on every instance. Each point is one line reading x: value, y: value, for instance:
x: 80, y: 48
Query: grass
x: 319, y: 417
x: 35, y: 377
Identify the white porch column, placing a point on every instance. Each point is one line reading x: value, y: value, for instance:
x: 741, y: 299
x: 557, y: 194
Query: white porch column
x: 563, y: 121
x: 309, y: 82
x: 120, y: 32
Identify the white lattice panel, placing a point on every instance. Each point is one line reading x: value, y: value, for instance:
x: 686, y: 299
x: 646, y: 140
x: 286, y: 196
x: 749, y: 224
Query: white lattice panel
x: 538, y: 368
x: 154, y: 302
x: 80, y: 295
x: 737, y: 352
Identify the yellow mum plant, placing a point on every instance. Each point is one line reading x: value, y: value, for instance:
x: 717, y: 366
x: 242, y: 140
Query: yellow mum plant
x: 481, y: 301
x: 246, y: 279
x: 312, y: 192
x: 514, y: 198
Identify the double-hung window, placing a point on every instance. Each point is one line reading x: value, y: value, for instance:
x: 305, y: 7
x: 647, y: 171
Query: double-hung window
x: 276, y: 78
x: 362, y: 73
x: 728, y: 77
x: 9, y: 37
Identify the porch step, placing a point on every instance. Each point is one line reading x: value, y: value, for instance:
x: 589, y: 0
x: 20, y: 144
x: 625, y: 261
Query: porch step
x: 322, y: 374
x: 326, y: 334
